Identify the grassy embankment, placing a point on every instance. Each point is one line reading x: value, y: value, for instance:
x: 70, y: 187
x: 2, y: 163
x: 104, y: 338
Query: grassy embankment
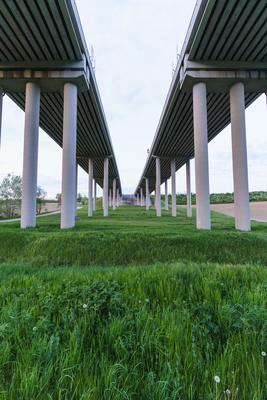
x: 190, y: 306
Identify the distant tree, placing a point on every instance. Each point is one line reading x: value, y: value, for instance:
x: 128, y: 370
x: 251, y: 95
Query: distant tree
x: 79, y: 198
x: 10, y: 194
x: 40, y: 196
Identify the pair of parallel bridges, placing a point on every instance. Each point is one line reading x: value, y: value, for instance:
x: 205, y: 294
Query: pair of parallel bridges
x: 45, y: 68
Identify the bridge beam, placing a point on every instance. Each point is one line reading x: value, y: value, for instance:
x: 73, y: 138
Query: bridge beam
x: 69, y: 181
x: 188, y: 189
x: 158, y: 192
x: 30, y: 156
x: 173, y: 181
x: 239, y: 154
x: 105, y: 188
x: 90, y: 187
x: 201, y: 155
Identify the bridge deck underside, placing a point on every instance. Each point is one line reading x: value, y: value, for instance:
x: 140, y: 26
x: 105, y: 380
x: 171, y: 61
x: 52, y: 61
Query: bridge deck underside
x: 48, y: 30
x: 219, y: 31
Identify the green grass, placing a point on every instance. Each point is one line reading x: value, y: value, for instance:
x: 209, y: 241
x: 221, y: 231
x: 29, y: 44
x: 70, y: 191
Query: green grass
x: 132, y: 236
x: 133, y: 307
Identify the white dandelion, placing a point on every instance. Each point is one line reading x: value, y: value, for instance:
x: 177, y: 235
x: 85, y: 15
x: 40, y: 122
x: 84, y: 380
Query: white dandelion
x: 217, y: 379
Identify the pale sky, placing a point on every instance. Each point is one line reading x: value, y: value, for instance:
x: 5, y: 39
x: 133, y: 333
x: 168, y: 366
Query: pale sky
x: 135, y: 44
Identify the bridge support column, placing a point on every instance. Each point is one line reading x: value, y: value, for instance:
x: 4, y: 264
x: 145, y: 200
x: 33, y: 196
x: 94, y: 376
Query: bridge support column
x: 95, y: 195
x: 239, y: 154
x: 201, y: 155
x: 118, y: 198
x: 90, y: 187
x: 166, y: 196
x: 142, y: 197
x: 1, y: 111
x: 110, y: 198
x: 30, y: 155
x: 69, y: 180
x: 105, y: 188
x: 188, y: 189
x: 114, y: 194
x: 158, y: 192
x: 173, y: 180
x: 147, y: 194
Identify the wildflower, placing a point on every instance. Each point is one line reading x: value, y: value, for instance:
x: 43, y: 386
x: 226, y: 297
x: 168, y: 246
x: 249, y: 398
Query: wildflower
x: 217, y: 379
x: 263, y: 353
x: 34, y: 328
x: 227, y: 392
x: 85, y: 306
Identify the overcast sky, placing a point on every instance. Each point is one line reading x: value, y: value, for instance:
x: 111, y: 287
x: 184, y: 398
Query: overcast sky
x: 135, y: 44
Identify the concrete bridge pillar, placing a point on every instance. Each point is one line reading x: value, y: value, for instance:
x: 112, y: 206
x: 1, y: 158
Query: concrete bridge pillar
x: 142, y: 197
x: 69, y: 181
x: 95, y: 195
x: 114, y: 194
x: 1, y: 111
x: 118, y: 198
x: 201, y: 155
x: 173, y: 181
x: 30, y: 155
x: 105, y: 188
x: 166, y: 196
x: 239, y: 154
x: 158, y: 192
x: 188, y: 189
x: 90, y: 187
x: 147, y: 194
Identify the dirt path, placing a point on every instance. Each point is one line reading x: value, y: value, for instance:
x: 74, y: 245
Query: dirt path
x: 258, y: 210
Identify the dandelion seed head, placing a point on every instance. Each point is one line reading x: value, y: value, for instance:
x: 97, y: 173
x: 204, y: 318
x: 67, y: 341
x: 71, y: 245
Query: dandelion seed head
x: 217, y: 379
x: 34, y: 328
x: 263, y: 353
x: 85, y: 306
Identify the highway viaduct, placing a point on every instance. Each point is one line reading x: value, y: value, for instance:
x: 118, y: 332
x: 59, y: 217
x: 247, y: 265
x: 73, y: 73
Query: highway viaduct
x: 221, y: 70
x: 45, y: 68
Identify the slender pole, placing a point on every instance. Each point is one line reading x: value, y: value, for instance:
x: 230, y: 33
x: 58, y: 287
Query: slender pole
x: 158, y: 193
x: 30, y: 156
x: 239, y: 154
x: 173, y: 180
x: 188, y: 189
x: 105, y: 188
x: 90, y: 187
x: 166, y: 196
x: 201, y: 155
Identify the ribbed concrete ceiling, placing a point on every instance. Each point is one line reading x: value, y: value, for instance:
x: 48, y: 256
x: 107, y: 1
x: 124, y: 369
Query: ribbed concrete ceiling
x: 50, y: 30
x: 222, y: 30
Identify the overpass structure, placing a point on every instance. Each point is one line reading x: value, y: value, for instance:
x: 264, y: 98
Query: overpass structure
x: 45, y: 68
x: 222, y: 69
